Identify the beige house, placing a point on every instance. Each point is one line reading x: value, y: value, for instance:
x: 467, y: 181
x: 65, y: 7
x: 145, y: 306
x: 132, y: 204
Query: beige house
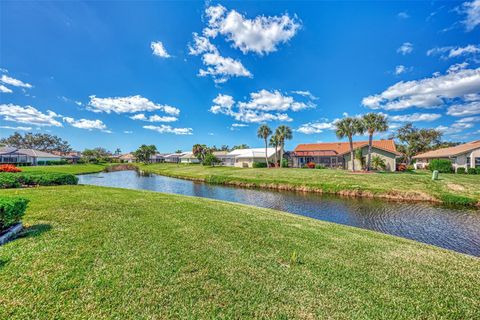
x: 337, y: 154
x: 188, y: 157
x: 462, y: 156
x: 244, y: 158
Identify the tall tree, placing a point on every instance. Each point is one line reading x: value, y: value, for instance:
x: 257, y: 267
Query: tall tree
x: 264, y: 132
x: 274, y: 143
x: 414, y: 141
x: 95, y: 155
x: 283, y: 133
x: 144, y: 153
x: 373, y: 122
x: 117, y: 152
x: 348, y: 127
x: 38, y: 141
x: 241, y: 146
x: 200, y: 151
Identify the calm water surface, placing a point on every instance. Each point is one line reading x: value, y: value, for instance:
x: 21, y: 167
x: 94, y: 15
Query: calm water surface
x: 455, y: 229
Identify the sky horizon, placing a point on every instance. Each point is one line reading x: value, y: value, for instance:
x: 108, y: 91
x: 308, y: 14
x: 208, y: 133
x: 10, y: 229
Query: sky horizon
x: 173, y: 74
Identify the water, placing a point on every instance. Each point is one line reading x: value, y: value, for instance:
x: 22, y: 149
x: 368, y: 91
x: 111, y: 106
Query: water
x: 455, y: 229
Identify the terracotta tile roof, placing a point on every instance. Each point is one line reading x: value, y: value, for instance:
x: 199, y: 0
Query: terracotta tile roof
x: 451, y: 151
x: 340, y: 148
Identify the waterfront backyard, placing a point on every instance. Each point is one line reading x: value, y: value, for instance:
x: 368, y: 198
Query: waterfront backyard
x: 94, y: 252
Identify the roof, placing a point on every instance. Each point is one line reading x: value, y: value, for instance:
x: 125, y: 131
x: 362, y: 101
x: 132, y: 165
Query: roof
x: 220, y: 153
x: 252, y: 153
x: 188, y: 155
x: 451, y: 151
x: 174, y: 155
x: 127, y: 156
x: 341, y: 148
x: 27, y: 152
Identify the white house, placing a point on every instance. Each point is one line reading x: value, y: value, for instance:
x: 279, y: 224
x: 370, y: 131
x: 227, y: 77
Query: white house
x: 188, y: 157
x: 174, y: 157
x: 26, y: 156
x: 244, y: 158
x: 462, y: 156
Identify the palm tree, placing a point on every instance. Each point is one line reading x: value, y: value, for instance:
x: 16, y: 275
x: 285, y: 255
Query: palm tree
x: 283, y: 133
x: 263, y: 133
x: 348, y: 127
x: 274, y: 143
x: 373, y: 122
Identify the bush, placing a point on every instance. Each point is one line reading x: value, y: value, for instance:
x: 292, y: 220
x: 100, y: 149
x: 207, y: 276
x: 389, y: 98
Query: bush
x: 319, y: 166
x: 210, y: 160
x: 478, y: 170
x: 284, y: 163
x: 56, y: 162
x: 16, y: 180
x: 410, y: 168
x: 11, y: 211
x: 9, y: 168
x: 472, y: 171
x: 442, y: 165
x: 311, y: 165
x: 461, y: 170
x: 259, y: 165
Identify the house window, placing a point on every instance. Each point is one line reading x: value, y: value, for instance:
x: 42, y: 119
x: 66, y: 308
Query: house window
x: 477, y: 162
x: 468, y: 162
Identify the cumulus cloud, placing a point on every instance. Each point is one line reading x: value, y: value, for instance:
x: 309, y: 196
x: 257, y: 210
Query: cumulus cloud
x: 221, y: 69
x: 131, y: 104
x: 17, y: 128
x: 316, y: 127
x: 405, y: 48
x: 471, y: 10
x: 5, y: 89
x: 261, y: 35
x: 159, y: 50
x: 415, y: 117
x: 403, y: 15
x: 87, y: 124
x: 427, y: 93
x: 467, y: 109
x: 168, y: 129
x: 454, y: 51
x: 29, y: 115
x: 14, y: 82
x: 263, y: 106
x: 400, y: 69
x: 153, y: 118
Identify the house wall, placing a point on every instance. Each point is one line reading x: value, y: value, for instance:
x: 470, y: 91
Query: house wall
x: 388, y: 157
x: 189, y: 160
x: 459, y: 161
x: 248, y: 162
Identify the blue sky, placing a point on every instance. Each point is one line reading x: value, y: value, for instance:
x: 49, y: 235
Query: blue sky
x: 120, y: 74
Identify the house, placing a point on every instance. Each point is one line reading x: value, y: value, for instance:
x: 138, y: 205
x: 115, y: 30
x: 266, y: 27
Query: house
x: 29, y: 157
x: 462, y: 156
x: 244, y: 158
x: 174, y: 157
x: 158, y: 158
x: 337, y: 154
x: 222, y: 156
x: 71, y: 156
x: 188, y: 157
x: 127, y: 157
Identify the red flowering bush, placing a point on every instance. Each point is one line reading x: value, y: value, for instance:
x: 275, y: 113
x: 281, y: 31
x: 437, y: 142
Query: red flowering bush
x: 311, y: 165
x: 9, y: 168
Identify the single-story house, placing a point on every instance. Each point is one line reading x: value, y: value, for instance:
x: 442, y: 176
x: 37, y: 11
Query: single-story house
x: 188, y: 157
x: 128, y: 157
x: 465, y: 155
x: 244, y: 158
x: 223, y: 157
x: 71, y: 156
x: 26, y: 156
x: 174, y: 157
x: 337, y: 154
x: 158, y: 158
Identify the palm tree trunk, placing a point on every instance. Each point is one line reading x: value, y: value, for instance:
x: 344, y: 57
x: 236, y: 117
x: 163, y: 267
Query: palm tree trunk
x: 281, y: 155
x: 352, y: 156
x: 266, y: 155
x: 276, y: 153
x: 370, y: 140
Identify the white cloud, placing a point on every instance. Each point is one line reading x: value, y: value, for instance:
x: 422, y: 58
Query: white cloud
x: 455, y: 52
x: 405, y: 48
x: 17, y: 128
x: 400, y: 69
x: 469, y: 119
x: 305, y: 93
x: 236, y: 126
x: 153, y: 118
x: 472, y: 12
x: 127, y: 132
x: 15, y: 82
x: 261, y: 35
x: 129, y: 104
x: 29, y: 115
x: 467, y: 109
x: 159, y: 50
x: 427, y: 93
x: 403, y: 15
x: 87, y: 124
x: 263, y: 106
x: 201, y: 45
x: 168, y: 129
x: 5, y: 89
x: 415, y: 117
x: 316, y: 127
x: 221, y: 68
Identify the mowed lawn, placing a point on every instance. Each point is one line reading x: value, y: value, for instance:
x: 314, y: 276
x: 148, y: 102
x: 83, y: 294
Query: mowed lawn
x: 419, y: 183
x: 92, y: 252
x: 73, y: 169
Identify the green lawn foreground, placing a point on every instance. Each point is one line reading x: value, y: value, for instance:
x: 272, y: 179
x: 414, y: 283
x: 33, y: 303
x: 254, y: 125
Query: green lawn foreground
x: 92, y: 252
x: 398, y: 184
x: 68, y: 168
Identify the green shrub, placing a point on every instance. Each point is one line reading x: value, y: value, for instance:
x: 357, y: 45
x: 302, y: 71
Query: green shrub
x: 210, y: 160
x: 57, y: 162
x: 319, y: 166
x: 461, y: 170
x: 259, y: 165
x: 16, y: 180
x: 11, y: 211
x: 284, y: 163
x: 442, y: 165
x: 471, y: 171
x: 457, y: 200
x: 478, y: 170
x: 410, y: 168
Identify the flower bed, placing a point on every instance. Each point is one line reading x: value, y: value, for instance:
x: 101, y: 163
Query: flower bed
x: 24, y: 179
x: 9, y: 168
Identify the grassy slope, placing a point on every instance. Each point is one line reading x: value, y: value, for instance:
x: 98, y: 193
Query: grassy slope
x: 74, y: 169
x: 333, y: 180
x: 92, y: 252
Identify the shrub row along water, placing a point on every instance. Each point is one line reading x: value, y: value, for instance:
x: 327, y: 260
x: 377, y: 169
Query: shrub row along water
x: 11, y: 211
x: 22, y: 179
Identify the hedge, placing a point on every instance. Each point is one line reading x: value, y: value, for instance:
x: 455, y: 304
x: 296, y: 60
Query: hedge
x: 259, y: 165
x: 461, y: 170
x: 11, y: 211
x: 442, y: 165
x: 17, y: 180
x: 471, y: 171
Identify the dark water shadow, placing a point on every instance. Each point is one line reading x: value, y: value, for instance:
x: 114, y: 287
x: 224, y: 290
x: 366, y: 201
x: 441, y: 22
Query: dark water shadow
x: 34, y: 231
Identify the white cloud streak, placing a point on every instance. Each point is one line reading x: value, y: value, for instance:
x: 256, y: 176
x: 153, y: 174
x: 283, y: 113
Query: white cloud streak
x: 153, y: 118
x: 169, y: 129
x: 405, y: 48
x: 87, y: 124
x: 131, y: 104
x: 15, y: 82
x: 159, y: 50
x: 29, y: 115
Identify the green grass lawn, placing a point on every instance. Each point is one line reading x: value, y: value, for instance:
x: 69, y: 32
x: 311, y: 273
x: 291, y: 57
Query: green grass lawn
x: 92, y: 252
x: 74, y: 169
x: 401, y: 184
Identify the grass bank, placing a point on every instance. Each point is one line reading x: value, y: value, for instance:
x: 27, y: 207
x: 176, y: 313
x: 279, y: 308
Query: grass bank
x: 92, y: 252
x: 417, y: 186
x: 73, y: 168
